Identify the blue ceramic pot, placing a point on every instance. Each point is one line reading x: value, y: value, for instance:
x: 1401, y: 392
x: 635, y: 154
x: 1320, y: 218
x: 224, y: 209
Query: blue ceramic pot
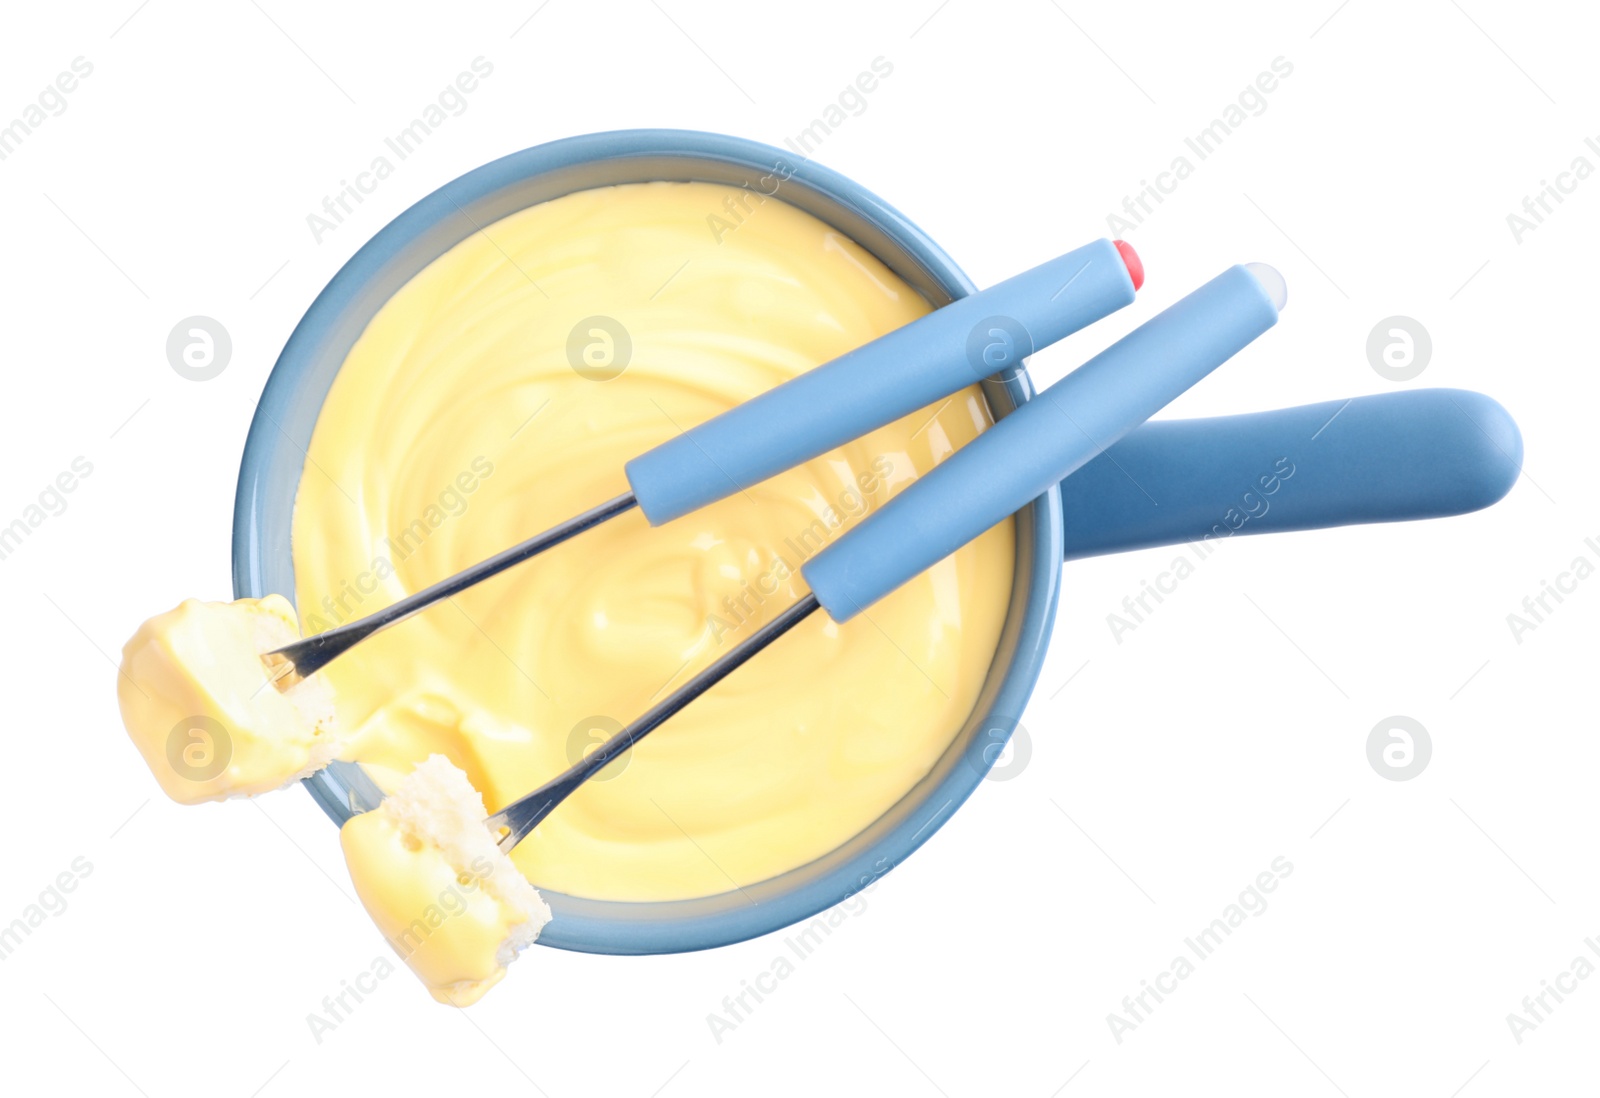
x: 281, y: 432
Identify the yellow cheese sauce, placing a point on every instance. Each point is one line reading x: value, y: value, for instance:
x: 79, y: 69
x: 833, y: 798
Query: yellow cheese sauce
x: 480, y: 407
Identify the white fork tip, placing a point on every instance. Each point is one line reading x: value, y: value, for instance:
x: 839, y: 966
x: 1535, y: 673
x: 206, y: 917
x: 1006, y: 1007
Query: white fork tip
x: 1271, y: 282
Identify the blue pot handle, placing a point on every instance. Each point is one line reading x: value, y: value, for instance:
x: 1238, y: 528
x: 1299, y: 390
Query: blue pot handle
x: 1424, y: 453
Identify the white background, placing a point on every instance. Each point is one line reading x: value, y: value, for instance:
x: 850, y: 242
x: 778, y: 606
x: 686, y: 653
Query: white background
x: 1172, y: 769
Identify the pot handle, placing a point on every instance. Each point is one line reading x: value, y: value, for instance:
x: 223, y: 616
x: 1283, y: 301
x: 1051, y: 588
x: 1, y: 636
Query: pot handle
x: 1424, y: 453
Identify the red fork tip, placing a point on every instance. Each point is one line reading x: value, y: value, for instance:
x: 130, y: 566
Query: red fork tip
x: 1131, y: 260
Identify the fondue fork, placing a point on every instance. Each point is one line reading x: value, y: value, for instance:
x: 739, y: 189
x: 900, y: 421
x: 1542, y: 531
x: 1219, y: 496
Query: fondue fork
x: 972, y: 338
x: 999, y: 472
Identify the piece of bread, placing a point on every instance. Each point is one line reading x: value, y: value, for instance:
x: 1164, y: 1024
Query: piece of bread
x: 454, y: 907
x: 196, y: 701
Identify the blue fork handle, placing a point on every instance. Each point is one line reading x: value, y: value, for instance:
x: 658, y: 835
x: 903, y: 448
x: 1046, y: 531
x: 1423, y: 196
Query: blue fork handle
x: 1046, y: 439
x: 1424, y: 453
x: 909, y: 368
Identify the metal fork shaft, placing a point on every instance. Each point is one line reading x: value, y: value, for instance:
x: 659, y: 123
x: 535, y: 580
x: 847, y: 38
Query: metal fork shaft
x: 293, y: 662
x: 521, y: 816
